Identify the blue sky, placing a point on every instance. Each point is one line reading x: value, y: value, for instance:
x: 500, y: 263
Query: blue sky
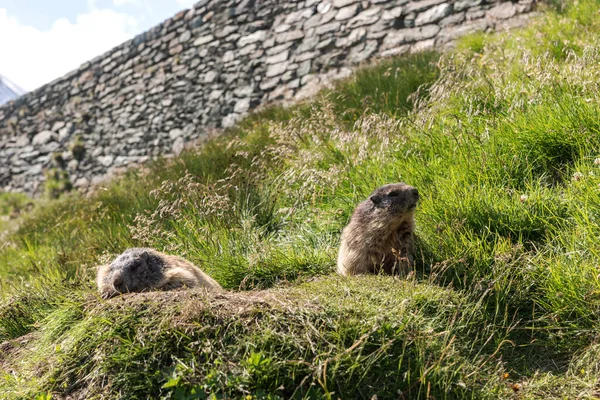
x: 41, y: 40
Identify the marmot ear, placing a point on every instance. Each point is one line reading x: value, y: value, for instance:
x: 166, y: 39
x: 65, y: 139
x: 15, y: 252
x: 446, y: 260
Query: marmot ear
x: 376, y: 199
x: 145, y: 255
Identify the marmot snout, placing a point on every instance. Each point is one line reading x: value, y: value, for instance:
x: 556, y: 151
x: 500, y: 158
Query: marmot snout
x: 380, y: 233
x: 141, y: 269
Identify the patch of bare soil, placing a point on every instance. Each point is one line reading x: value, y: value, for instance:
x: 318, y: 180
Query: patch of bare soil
x: 186, y: 305
x: 11, y: 349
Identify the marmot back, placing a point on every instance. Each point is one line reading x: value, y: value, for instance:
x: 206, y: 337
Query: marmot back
x: 380, y: 233
x: 142, y: 269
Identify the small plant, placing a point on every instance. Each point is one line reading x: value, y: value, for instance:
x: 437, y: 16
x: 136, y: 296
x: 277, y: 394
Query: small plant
x: 77, y: 148
x: 58, y: 160
x: 57, y: 183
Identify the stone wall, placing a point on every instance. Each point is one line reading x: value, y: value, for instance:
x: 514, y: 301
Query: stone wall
x: 205, y: 68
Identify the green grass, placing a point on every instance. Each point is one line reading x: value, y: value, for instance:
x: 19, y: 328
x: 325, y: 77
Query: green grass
x: 500, y: 136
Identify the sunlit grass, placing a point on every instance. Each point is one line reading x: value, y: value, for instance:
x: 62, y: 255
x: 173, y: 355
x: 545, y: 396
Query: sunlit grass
x: 501, y: 139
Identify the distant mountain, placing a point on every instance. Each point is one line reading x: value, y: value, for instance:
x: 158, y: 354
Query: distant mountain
x: 8, y: 90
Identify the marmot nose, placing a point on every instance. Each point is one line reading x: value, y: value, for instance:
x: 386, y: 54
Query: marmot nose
x: 118, y: 283
x: 415, y: 192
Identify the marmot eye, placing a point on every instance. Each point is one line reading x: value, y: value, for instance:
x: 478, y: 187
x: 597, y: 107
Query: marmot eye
x: 394, y: 194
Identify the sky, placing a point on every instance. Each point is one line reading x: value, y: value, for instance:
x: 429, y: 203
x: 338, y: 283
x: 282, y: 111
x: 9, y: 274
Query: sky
x: 41, y: 40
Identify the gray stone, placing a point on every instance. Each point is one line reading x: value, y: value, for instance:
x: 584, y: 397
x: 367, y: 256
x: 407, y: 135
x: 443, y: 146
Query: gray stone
x: 98, y: 151
x: 229, y: 120
x: 43, y: 138
x: 241, y: 106
x: 392, y: 14
x: 422, y: 46
x: 367, y: 17
x: 452, y: 33
x: 50, y: 147
x: 282, y: 28
x: 185, y: 36
x: 176, y: 50
x: 343, y: 3
x: 290, y: 36
x: 397, y: 38
x: 175, y: 133
x: 461, y: 5
x: 106, y: 161
x: 210, y: 76
x: 303, y: 68
x: 433, y: 14
x: 502, y: 11
x: 58, y: 126
x: 277, y: 58
x: 356, y: 36
x: 395, y: 51
x: 346, y: 12
x: 82, y: 182
x: 417, y: 6
x: 277, y: 69
x: 362, y: 52
x: 22, y: 141
x: 331, y: 27
x: 324, y: 7
x: 257, y: 36
x: 278, y: 49
x: 268, y: 84
x: 308, y: 44
x: 226, y: 31
x: 178, y: 145
x: 474, y: 14
x: 34, y: 170
x: 203, y: 40
x: 452, y: 19
x: 298, y: 16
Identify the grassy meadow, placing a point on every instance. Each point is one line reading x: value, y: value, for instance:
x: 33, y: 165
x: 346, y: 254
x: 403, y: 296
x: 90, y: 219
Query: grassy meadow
x: 502, y: 138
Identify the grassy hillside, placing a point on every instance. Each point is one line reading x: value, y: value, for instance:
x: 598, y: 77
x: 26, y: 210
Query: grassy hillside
x: 502, y: 138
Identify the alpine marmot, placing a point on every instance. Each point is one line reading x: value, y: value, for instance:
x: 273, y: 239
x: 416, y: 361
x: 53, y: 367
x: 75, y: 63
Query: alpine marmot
x: 142, y: 269
x: 380, y: 235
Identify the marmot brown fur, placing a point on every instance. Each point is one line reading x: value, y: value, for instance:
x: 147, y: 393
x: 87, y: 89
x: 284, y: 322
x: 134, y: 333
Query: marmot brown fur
x: 141, y: 270
x: 380, y: 234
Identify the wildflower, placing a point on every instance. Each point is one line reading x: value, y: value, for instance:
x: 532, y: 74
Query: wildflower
x: 597, y: 161
x: 523, y: 198
x: 577, y: 176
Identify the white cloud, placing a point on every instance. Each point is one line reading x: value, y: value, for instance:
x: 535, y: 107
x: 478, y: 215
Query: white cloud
x: 30, y: 57
x: 186, y: 3
x: 121, y: 3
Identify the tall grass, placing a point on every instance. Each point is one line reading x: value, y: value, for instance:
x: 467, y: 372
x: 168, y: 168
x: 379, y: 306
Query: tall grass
x: 501, y: 137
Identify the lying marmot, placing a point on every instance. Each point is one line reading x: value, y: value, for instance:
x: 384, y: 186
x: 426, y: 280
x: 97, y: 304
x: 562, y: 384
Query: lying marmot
x: 140, y: 270
x: 380, y: 233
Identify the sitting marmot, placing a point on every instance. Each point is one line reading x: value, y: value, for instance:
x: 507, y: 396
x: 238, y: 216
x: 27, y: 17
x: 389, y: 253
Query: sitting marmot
x: 141, y: 270
x: 380, y: 233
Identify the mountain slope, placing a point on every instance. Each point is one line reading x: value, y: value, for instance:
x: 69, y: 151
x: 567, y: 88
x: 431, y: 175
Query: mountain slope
x: 502, y: 142
x: 8, y: 90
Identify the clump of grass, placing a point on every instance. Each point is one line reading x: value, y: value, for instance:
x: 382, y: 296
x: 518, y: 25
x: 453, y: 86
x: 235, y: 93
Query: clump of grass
x: 348, y: 335
x: 14, y: 203
x: 57, y: 182
x: 77, y: 148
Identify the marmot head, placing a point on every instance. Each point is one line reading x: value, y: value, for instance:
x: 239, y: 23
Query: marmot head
x: 393, y: 201
x: 136, y: 270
